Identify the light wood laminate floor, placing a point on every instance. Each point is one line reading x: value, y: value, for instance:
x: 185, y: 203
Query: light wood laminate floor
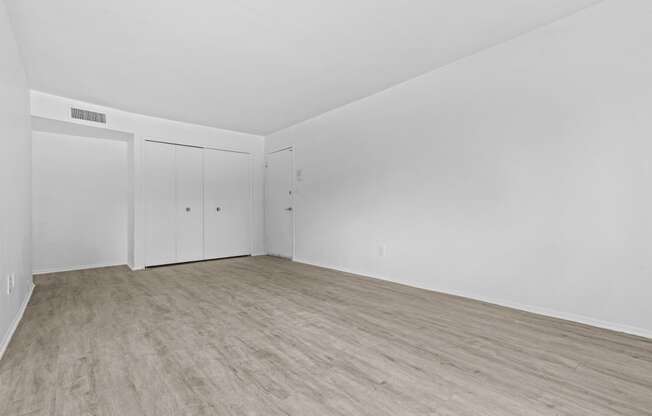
x: 264, y: 336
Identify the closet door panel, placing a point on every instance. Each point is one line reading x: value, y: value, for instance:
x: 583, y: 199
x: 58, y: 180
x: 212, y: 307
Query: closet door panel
x: 160, y: 205
x: 189, y: 235
x: 227, y: 204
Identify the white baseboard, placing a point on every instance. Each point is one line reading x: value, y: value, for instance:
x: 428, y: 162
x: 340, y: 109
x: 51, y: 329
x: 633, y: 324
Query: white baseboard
x: 627, y: 329
x: 16, y: 321
x: 58, y: 269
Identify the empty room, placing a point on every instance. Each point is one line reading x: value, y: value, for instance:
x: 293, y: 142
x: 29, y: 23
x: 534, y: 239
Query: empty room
x: 316, y: 208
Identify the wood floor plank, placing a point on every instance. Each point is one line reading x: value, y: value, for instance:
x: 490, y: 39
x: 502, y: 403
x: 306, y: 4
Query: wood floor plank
x: 265, y: 336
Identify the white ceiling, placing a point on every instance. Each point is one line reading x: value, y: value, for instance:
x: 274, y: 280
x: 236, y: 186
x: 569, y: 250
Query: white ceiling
x: 254, y: 65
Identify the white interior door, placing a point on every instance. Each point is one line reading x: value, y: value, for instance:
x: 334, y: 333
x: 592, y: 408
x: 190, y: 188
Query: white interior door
x: 189, y: 203
x: 227, y: 204
x: 279, y: 231
x: 160, y: 208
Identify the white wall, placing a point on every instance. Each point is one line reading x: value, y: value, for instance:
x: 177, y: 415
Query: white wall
x: 144, y: 127
x: 15, y: 182
x: 79, y: 203
x: 520, y: 175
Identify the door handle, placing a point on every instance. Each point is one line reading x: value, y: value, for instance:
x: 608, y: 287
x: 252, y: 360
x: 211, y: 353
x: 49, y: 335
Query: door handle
x: 218, y: 209
x: 288, y: 209
x: 187, y: 209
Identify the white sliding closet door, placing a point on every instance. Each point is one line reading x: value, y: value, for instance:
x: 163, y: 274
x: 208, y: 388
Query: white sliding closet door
x: 227, y: 204
x: 189, y: 203
x: 160, y: 208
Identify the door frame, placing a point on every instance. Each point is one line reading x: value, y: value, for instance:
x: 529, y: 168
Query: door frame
x: 293, y: 188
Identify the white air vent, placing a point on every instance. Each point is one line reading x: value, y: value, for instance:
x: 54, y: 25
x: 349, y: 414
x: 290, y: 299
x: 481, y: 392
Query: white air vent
x: 79, y: 114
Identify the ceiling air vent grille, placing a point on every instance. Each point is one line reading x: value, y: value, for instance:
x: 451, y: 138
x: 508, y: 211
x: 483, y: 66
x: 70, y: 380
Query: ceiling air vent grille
x: 79, y: 114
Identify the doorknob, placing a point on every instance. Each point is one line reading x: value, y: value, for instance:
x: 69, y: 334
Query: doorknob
x: 218, y: 209
x: 288, y: 209
x: 187, y: 209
